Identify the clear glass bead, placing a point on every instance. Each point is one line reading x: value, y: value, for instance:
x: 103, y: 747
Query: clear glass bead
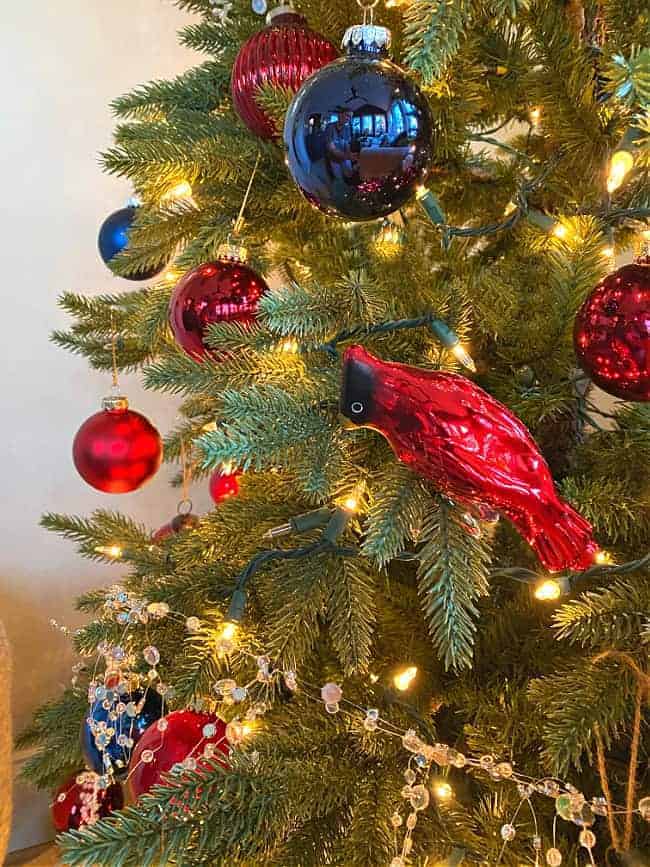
x: 396, y: 820
x: 537, y: 843
x: 407, y: 845
x: 131, y: 709
x: 239, y: 693
x: 209, y: 751
x: 398, y: 861
x: 553, y: 857
x: 486, y: 762
x: 122, y: 740
x: 332, y: 707
x: 209, y: 730
x: 587, y: 838
x: 151, y: 655
x: 599, y: 806
x: 162, y: 725
x: 146, y: 756
x: 412, y: 742
x: 504, y: 769
x: 189, y: 763
x: 410, y: 776
x: 225, y: 687
x: 411, y: 821
x: 331, y: 693
x: 419, y: 798
x: 644, y: 808
x: 290, y: 680
x: 192, y: 624
x: 508, y: 832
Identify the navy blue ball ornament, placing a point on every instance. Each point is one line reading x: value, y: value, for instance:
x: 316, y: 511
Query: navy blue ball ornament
x: 113, y: 726
x: 358, y: 133
x: 114, y: 237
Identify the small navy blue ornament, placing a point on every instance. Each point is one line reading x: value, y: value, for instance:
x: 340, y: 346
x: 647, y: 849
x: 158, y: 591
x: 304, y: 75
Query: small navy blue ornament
x: 114, y: 237
x: 107, y: 743
x: 358, y: 133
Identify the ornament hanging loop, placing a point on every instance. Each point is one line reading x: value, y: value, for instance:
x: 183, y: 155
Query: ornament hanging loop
x: 239, y: 222
x: 114, y: 386
x: 368, y: 10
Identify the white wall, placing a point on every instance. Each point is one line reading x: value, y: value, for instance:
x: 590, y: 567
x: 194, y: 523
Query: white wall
x: 62, y: 63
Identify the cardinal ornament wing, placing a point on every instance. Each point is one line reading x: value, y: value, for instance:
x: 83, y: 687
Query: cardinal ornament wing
x: 472, y: 448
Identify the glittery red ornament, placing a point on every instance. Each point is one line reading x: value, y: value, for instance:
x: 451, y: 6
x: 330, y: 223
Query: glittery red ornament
x: 612, y: 333
x: 223, y: 485
x: 283, y: 54
x: 81, y: 802
x: 172, y: 740
x: 180, y: 522
x: 226, y: 290
x: 471, y: 446
x: 117, y: 450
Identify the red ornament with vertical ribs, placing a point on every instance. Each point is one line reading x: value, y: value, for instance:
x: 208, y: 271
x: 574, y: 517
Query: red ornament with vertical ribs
x: 472, y: 448
x: 283, y: 54
x: 612, y: 333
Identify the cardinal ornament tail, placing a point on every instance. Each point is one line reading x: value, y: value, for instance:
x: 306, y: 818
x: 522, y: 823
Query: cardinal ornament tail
x: 561, y: 538
x: 474, y: 450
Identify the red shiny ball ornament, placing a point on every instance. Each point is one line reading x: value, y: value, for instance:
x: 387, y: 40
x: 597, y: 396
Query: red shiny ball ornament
x: 283, y: 54
x: 223, y: 485
x: 173, y: 739
x: 117, y: 450
x: 223, y: 291
x: 612, y: 333
x: 80, y: 802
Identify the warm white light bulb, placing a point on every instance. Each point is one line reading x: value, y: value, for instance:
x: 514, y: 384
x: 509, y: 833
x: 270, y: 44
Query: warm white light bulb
x: 464, y: 357
x: 182, y: 190
x: 560, y: 231
x: 548, y: 590
x: 442, y: 790
x: 619, y: 166
x: 403, y: 679
x: 351, y: 504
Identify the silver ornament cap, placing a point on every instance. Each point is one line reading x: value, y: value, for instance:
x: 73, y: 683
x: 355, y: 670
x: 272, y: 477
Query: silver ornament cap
x: 115, y: 403
x: 367, y: 37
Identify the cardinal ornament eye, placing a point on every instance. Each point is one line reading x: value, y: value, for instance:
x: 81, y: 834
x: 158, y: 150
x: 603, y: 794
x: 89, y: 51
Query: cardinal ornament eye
x: 357, y: 407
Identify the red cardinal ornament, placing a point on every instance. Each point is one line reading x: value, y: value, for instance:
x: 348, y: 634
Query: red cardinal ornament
x: 471, y: 447
x: 176, y: 738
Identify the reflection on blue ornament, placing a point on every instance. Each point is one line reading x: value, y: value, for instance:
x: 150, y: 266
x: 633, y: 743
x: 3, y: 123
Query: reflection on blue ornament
x: 114, y: 237
x: 259, y: 7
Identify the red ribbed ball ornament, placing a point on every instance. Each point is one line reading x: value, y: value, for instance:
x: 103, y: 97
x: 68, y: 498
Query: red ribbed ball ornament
x: 117, y: 449
x: 612, y: 333
x: 80, y: 802
x: 226, y: 290
x: 172, y: 740
x: 282, y: 54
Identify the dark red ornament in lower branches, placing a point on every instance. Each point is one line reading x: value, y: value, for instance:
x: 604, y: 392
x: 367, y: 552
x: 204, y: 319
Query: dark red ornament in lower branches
x: 472, y: 448
x: 80, y: 802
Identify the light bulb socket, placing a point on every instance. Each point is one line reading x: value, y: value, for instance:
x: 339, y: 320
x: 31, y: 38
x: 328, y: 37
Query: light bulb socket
x: 444, y: 333
x: 430, y: 205
x: 237, y: 606
x: 336, y: 525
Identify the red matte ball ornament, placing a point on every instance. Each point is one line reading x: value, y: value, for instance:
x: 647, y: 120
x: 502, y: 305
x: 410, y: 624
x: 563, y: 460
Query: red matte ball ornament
x: 225, y: 290
x: 171, y: 741
x: 223, y: 485
x: 472, y: 448
x: 283, y: 54
x: 612, y: 333
x: 80, y: 802
x: 117, y: 450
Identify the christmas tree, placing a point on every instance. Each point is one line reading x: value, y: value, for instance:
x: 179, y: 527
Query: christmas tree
x: 414, y: 630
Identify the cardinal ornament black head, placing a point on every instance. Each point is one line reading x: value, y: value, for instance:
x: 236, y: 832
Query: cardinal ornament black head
x: 358, y: 132
x: 472, y: 448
